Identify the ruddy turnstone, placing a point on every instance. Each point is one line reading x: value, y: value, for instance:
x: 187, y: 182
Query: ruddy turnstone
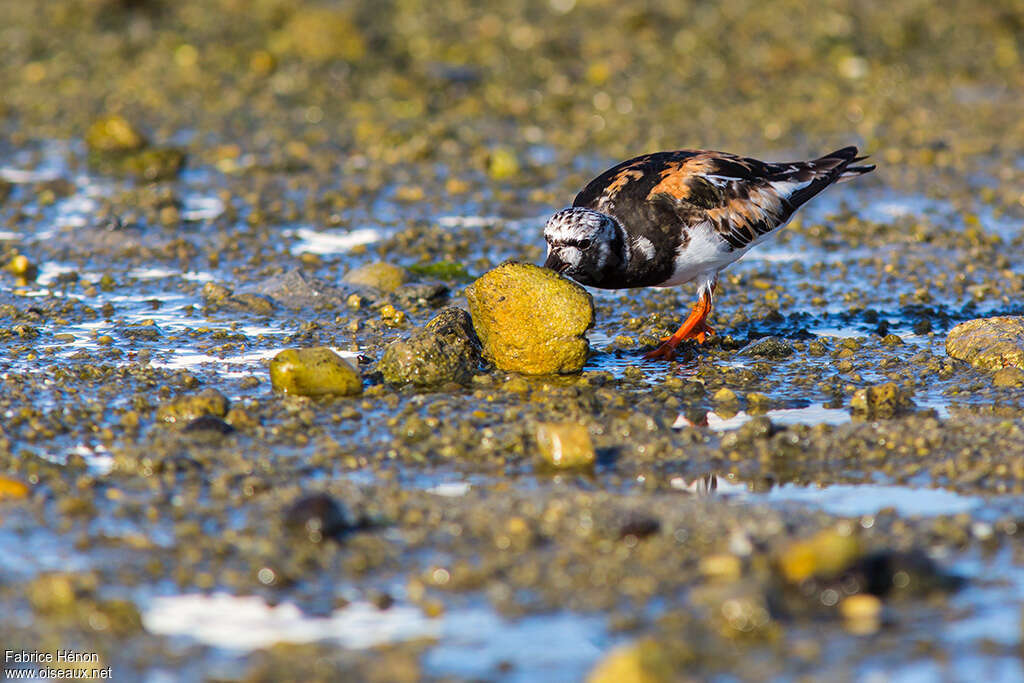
x: 670, y: 218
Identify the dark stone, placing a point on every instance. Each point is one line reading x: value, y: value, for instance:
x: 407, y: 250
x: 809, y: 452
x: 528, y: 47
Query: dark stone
x: 318, y: 516
x: 209, y: 423
x: 639, y: 526
x: 428, y: 293
x: 768, y: 347
x: 141, y: 332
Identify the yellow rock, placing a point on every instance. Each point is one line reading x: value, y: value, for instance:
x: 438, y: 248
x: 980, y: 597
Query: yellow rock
x: 724, y: 395
x: 530, y: 319
x: 51, y: 593
x: 12, y: 489
x: 862, y: 614
x: 187, y: 408
x: 1008, y: 377
x: 639, y: 662
x: 721, y: 566
x: 24, y: 270
x: 320, y: 34
x: 988, y: 343
x: 826, y: 553
x: 114, y: 134
x: 503, y: 164
x: 565, y: 444
x: 861, y: 606
x: 882, y: 400
x: 315, y: 371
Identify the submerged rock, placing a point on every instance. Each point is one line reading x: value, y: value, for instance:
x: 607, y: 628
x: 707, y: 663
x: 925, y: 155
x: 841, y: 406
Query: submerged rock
x: 293, y: 289
x: 188, y: 408
x: 383, y: 276
x: 445, y: 350
x: 530, y: 319
x: 882, y: 400
x: 315, y: 371
x: 988, y: 343
x: 565, y: 444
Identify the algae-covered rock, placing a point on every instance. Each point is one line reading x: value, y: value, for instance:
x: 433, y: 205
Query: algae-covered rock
x: 882, y: 400
x: 565, y: 444
x: 988, y: 343
x: 445, y: 350
x: 184, y: 409
x: 442, y: 270
x: 772, y: 348
x: 315, y: 371
x: 383, y: 276
x: 117, y: 148
x: 530, y: 319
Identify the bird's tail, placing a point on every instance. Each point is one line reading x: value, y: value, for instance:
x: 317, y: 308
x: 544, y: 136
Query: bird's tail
x: 844, y: 160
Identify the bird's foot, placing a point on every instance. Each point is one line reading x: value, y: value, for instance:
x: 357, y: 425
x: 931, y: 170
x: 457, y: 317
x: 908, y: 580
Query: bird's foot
x: 701, y: 334
x: 666, y: 351
x: 668, y: 348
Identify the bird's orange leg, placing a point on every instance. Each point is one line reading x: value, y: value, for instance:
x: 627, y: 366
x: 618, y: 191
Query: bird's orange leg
x: 695, y: 327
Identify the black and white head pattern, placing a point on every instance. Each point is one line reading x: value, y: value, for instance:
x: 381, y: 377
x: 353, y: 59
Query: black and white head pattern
x: 586, y: 245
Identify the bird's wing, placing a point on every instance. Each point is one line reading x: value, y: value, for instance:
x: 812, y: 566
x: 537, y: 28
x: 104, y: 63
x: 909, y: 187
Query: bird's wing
x: 740, y: 198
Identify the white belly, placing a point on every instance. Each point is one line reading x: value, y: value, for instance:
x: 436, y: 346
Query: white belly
x: 703, y: 256
x: 707, y: 253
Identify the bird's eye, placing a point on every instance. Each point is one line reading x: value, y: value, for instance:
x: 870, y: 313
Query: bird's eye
x: 584, y: 244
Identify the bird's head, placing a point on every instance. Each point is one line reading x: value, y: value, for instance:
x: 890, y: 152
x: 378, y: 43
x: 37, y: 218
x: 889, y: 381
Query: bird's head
x: 583, y: 244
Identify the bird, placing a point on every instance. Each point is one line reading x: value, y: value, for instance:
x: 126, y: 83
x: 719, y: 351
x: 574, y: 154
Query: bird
x: 670, y: 218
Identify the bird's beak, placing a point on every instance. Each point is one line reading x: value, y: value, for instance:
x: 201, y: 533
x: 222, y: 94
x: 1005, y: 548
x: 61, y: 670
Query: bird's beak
x: 553, y: 262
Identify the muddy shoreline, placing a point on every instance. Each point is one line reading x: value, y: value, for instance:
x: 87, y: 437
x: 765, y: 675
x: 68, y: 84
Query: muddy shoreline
x: 153, y: 483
